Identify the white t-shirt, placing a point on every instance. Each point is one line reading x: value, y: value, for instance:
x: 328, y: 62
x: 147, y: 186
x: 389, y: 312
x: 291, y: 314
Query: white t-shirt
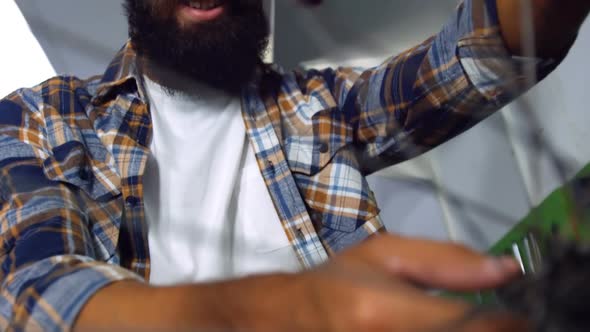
x: 209, y: 212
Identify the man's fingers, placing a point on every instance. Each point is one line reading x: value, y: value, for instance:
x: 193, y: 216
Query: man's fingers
x: 436, y: 264
x: 441, y: 315
x: 447, y: 266
x: 453, y: 274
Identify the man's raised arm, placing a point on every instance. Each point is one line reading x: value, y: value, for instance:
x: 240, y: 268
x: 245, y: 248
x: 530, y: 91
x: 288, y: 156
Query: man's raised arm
x: 436, y: 90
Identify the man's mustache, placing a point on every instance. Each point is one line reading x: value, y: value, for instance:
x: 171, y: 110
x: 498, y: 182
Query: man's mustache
x: 166, y: 8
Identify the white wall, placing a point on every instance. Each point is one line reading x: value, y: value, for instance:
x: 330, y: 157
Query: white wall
x: 80, y: 37
x: 21, y: 47
x: 339, y: 31
x: 560, y: 105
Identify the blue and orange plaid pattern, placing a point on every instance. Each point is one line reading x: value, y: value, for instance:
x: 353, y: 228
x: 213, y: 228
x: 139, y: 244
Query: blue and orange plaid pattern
x: 73, y: 153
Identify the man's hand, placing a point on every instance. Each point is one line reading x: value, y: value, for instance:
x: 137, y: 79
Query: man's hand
x: 377, y: 286
x: 555, y: 24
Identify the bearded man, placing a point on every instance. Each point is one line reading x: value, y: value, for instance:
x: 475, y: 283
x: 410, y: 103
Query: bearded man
x: 193, y: 187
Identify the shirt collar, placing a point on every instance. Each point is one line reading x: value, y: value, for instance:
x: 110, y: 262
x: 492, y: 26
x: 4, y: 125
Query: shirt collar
x: 122, y: 72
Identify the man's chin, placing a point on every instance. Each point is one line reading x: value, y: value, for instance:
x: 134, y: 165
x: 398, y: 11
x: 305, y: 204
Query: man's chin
x: 177, y: 77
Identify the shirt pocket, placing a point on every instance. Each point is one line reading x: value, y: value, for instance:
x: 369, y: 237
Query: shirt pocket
x: 338, y: 196
x: 309, y: 151
x: 73, y: 163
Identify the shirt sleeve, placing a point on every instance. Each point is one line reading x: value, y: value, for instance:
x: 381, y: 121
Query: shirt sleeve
x: 432, y: 92
x: 49, y: 265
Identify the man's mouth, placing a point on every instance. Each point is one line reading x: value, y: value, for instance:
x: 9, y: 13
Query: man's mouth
x: 205, y: 4
x: 202, y: 10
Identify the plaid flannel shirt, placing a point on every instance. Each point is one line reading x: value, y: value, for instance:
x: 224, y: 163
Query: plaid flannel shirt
x: 73, y: 153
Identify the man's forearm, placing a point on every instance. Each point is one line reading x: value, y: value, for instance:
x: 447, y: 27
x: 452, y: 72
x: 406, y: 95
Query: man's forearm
x: 132, y: 306
x: 225, y: 306
x: 555, y: 24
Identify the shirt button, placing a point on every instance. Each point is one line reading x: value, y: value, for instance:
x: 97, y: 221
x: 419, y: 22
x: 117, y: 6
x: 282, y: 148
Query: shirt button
x: 132, y: 201
x: 317, y: 220
x: 84, y: 175
x: 270, y: 165
x: 324, y: 148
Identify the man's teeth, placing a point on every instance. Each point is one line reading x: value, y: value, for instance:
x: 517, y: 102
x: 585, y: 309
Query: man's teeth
x: 205, y: 4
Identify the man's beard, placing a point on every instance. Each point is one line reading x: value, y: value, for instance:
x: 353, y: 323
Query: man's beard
x: 224, y: 53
